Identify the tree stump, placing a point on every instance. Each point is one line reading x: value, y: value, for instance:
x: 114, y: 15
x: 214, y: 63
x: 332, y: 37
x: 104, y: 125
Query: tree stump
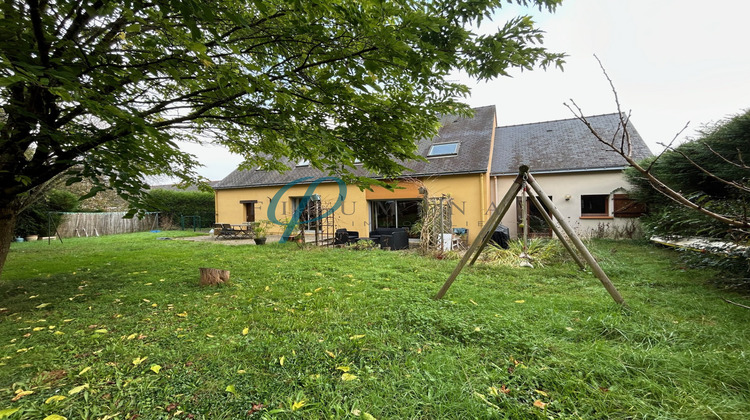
x: 213, y: 276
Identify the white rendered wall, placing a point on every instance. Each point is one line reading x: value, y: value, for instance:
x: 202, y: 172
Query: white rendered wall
x: 566, y: 191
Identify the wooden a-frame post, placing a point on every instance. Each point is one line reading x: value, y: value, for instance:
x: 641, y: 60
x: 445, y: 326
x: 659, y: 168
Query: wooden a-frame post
x: 483, y: 238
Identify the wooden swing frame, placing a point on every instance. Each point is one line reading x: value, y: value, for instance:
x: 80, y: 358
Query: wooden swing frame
x: 525, y: 178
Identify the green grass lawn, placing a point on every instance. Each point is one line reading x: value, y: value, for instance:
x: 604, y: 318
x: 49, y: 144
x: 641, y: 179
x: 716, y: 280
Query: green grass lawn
x: 117, y: 327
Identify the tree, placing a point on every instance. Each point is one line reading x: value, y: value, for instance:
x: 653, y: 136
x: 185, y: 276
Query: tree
x: 710, y: 171
x: 708, y: 176
x: 101, y: 89
x: 171, y: 205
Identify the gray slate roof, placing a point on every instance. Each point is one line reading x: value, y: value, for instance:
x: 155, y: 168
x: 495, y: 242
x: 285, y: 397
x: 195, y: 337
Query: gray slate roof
x: 561, y: 146
x: 473, y: 134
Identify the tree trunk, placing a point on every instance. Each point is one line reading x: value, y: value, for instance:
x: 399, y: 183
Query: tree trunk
x: 8, y: 215
x: 212, y: 276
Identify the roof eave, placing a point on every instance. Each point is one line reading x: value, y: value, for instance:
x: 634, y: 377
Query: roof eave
x: 566, y: 171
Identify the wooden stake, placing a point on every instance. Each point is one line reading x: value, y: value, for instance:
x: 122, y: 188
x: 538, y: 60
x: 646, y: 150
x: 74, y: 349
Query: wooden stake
x: 213, y: 276
x: 598, y: 272
x: 484, y: 235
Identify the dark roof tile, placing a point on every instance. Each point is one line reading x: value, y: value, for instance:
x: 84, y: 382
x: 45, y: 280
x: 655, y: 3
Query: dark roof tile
x: 561, y: 146
x: 474, y: 135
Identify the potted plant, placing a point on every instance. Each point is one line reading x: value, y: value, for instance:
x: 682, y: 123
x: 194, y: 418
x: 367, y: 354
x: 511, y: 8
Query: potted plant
x: 260, y: 231
x: 296, y: 233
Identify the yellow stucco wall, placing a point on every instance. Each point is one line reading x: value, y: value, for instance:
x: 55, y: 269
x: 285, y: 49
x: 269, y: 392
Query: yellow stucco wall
x: 469, y: 193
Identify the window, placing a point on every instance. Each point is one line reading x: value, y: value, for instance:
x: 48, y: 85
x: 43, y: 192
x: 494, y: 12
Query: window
x: 595, y: 205
x: 443, y: 149
x: 303, y: 162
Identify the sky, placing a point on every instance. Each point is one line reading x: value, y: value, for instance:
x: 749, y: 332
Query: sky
x: 672, y: 63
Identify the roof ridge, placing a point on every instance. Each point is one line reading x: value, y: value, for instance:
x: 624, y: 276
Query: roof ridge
x: 558, y: 120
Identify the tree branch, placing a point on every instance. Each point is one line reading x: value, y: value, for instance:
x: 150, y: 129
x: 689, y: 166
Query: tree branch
x: 657, y: 184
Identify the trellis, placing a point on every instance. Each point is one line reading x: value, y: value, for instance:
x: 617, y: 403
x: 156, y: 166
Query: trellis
x: 437, y: 222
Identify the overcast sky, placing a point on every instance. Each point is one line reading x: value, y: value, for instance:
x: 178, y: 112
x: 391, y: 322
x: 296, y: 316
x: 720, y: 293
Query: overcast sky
x: 671, y: 61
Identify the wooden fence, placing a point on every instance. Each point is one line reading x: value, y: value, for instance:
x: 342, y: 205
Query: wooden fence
x: 95, y: 224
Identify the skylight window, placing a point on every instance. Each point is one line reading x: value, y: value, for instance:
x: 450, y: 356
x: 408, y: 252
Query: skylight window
x: 443, y: 149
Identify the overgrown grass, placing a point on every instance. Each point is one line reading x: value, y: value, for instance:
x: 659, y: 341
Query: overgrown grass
x: 316, y: 333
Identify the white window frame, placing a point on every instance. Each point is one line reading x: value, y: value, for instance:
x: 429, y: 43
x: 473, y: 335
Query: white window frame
x: 431, y: 152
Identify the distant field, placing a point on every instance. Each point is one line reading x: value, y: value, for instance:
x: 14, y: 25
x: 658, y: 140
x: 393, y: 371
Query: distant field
x: 117, y: 327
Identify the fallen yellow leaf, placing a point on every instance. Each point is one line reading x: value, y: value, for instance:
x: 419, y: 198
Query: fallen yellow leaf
x: 138, y: 360
x: 7, y: 412
x: 299, y: 404
x: 348, y: 377
x: 281, y: 360
x: 357, y: 337
x: 43, y: 305
x: 55, y: 417
x: 155, y: 368
x: 20, y: 393
x: 330, y: 354
x: 55, y: 398
x: 101, y: 331
x: 520, y: 301
x: 86, y: 369
x: 539, y: 404
x: 245, y: 331
x: 343, y: 368
x: 78, y: 389
x: 182, y: 314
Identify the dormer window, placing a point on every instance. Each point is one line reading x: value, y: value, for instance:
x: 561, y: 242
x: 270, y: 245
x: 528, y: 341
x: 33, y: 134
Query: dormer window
x: 443, y: 149
x: 303, y: 162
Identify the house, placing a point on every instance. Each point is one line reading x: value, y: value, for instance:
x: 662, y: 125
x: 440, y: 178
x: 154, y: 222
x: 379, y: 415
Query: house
x: 471, y: 160
x: 582, y: 176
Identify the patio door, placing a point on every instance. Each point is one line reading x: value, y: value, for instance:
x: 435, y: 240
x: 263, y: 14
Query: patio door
x: 311, y: 211
x: 395, y: 213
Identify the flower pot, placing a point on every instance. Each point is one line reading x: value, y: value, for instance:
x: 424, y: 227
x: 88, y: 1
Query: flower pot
x: 19, y: 239
x: 260, y: 241
x: 32, y: 238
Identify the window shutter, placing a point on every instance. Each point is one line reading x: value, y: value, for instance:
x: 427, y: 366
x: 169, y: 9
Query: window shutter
x: 625, y: 206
